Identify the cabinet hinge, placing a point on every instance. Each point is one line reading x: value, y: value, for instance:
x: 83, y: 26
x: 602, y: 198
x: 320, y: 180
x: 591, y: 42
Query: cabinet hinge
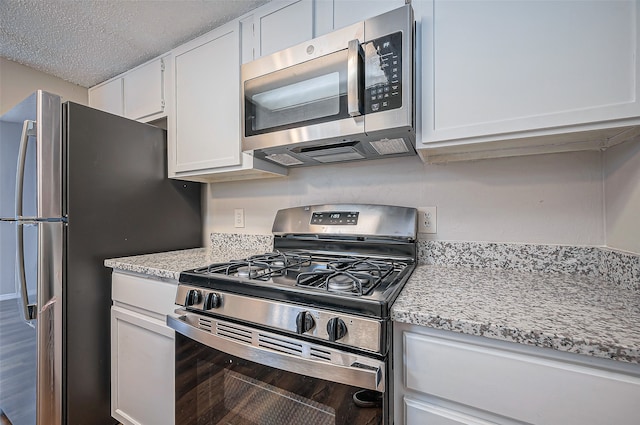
x: 162, y: 64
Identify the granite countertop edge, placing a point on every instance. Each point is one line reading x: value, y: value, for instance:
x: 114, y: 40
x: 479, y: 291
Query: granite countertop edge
x: 417, y: 304
x: 574, y: 314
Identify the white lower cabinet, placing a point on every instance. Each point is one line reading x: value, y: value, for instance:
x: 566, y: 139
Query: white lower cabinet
x: 447, y: 378
x: 422, y: 412
x: 142, y: 351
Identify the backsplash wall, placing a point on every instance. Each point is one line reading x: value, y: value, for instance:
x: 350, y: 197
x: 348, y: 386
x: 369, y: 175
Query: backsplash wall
x: 541, y: 199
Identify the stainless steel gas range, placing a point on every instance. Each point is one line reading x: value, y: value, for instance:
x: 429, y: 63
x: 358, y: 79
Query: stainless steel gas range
x: 300, y: 335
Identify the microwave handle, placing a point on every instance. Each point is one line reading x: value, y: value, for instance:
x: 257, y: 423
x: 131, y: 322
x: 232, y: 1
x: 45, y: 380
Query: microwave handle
x: 354, y: 78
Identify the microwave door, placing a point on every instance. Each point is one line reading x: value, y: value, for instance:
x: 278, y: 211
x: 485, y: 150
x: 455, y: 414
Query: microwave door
x: 304, y: 102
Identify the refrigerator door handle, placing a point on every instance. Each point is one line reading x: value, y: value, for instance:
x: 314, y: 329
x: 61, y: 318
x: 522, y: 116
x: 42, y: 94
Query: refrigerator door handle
x: 28, y: 129
x: 29, y: 311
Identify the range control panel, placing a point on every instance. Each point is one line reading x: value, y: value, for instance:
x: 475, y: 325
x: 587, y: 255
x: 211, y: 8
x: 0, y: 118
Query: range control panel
x: 337, y: 218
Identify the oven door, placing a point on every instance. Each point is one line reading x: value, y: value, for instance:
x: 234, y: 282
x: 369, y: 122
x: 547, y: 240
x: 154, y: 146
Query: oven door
x: 237, y: 375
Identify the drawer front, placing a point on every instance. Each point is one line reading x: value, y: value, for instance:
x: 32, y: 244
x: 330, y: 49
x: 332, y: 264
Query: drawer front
x: 421, y: 413
x: 153, y: 295
x: 519, y: 386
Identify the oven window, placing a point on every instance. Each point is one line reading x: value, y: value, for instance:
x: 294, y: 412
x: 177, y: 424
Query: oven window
x: 309, y: 93
x: 213, y: 387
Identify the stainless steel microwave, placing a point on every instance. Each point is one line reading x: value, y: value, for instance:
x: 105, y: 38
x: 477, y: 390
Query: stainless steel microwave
x: 344, y: 96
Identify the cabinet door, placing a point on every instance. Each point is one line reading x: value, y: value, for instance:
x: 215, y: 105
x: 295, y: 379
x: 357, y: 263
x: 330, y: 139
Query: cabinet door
x: 498, y: 67
x: 519, y: 386
x: 207, y: 102
x: 282, y: 24
x: 347, y: 12
x: 107, y: 97
x: 144, y: 90
x: 142, y: 369
x: 420, y: 413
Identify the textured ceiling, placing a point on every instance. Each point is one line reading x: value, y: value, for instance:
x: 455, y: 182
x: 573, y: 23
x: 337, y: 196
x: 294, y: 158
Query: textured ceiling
x: 89, y: 41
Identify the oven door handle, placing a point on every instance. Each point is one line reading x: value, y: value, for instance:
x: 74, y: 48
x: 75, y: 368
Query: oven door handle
x: 356, y: 371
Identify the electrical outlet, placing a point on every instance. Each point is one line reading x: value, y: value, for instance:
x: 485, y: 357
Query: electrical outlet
x: 238, y: 217
x: 427, y: 220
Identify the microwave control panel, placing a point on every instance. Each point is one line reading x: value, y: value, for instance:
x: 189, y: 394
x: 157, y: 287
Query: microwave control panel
x: 383, y: 73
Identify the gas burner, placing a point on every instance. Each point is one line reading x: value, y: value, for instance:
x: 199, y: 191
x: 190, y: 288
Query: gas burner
x: 249, y: 272
x: 346, y: 282
x: 275, y: 261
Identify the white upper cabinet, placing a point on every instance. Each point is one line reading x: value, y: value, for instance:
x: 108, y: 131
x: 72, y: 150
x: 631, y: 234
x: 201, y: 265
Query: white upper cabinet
x: 144, y: 90
x: 347, y: 12
x: 525, y: 72
x: 204, y: 126
x: 139, y: 94
x: 107, y: 97
x: 282, y: 25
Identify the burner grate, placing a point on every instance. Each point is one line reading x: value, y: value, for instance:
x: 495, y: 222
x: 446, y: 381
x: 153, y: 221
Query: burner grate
x: 261, y: 267
x: 352, y: 276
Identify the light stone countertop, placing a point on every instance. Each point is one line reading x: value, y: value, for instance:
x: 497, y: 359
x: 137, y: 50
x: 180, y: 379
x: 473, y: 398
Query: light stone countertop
x: 170, y: 264
x: 572, y: 313
x: 576, y: 314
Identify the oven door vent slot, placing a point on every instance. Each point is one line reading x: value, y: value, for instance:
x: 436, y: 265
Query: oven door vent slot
x: 280, y: 345
x: 227, y: 330
x: 205, y: 324
x: 315, y: 353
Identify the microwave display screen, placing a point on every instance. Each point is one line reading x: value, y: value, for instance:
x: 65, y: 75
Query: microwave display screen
x: 383, y: 73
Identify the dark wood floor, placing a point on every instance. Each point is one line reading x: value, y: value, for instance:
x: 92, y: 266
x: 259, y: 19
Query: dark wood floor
x: 17, y: 365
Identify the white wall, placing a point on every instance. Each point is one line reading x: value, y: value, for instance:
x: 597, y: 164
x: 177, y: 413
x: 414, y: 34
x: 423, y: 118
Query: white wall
x: 622, y: 196
x: 19, y: 81
x: 549, y: 199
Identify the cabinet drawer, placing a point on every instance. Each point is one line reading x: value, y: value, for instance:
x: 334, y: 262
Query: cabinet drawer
x: 148, y: 294
x: 419, y: 412
x: 519, y: 386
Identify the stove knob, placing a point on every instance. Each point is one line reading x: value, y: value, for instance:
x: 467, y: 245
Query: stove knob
x: 304, y: 322
x: 193, y: 297
x: 211, y: 301
x: 336, y: 328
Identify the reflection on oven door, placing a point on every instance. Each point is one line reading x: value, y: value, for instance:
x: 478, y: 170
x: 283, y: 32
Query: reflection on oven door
x: 261, y: 403
x: 213, y: 387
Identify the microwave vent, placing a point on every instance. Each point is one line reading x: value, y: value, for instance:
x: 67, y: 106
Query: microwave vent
x: 337, y: 155
x: 389, y: 146
x: 284, y: 159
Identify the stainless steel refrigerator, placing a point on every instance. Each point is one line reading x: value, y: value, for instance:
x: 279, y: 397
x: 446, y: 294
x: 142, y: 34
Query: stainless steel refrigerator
x: 77, y: 185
